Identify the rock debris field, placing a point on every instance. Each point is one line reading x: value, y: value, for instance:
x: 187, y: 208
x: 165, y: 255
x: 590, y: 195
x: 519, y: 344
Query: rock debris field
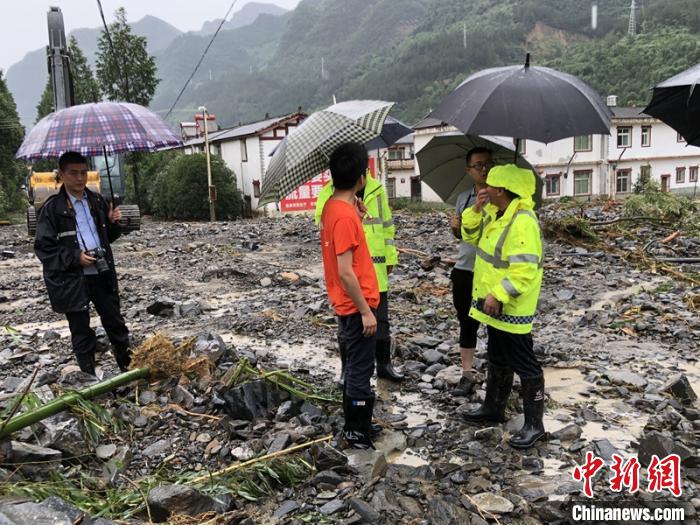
x: 244, y: 304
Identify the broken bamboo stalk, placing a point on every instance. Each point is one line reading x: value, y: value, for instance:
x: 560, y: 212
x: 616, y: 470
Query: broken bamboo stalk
x: 66, y: 400
x: 253, y: 461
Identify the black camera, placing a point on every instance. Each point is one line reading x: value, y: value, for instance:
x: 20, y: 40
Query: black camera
x: 479, y: 304
x: 100, y: 256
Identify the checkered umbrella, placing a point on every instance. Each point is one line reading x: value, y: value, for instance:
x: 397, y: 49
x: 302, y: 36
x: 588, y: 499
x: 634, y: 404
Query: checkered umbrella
x: 97, y: 129
x: 305, y: 152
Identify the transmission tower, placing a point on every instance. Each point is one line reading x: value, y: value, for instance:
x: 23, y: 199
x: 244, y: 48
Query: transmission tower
x: 632, y: 28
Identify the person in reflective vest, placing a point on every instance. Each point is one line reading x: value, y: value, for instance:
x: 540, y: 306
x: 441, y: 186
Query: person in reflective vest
x: 378, y: 226
x: 507, y: 281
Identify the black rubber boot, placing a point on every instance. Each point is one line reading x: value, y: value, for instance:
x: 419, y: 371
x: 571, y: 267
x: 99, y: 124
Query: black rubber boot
x: 375, y: 429
x: 123, y: 358
x: 358, y: 423
x: 385, y: 369
x: 86, y: 362
x: 533, y: 406
x: 340, y: 383
x: 499, y: 383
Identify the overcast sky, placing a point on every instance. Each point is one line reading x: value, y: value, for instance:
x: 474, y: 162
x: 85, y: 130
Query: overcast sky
x: 23, y: 22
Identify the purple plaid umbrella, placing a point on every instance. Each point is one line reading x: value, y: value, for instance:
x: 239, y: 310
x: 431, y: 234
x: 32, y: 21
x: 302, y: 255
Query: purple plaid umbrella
x: 95, y: 129
x: 102, y: 128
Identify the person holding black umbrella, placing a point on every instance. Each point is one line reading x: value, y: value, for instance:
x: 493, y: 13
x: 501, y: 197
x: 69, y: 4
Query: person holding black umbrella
x: 479, y: 161
x: 507, y: 280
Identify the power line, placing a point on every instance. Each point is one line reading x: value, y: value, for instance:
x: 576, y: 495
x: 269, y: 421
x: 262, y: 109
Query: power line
x: 201, y: 59
x: 122, y: 71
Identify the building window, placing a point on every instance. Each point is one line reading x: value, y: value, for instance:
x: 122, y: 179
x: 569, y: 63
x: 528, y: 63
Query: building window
x: 244, y: 151
x: 680, y: 175
x: 256, y: 189
x: 583, y: 143
x: 582, y: 182
x: 679, y: 138
x: 693, y: 174
x: 624, y: 136
x: 396, y: 154
x: 622, y: 181
x: 391, y: 187
x: 553, y: 183
x: 646, y: 136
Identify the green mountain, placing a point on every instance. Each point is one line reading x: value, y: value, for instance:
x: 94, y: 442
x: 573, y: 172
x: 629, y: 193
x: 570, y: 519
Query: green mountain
x: 415, y: 51
x: 27, y: 78
x: 243, y: 17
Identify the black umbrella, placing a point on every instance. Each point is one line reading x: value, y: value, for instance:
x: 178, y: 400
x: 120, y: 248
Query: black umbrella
x: 392, y: 131
x: 676, y: 102
x: 525, y: 102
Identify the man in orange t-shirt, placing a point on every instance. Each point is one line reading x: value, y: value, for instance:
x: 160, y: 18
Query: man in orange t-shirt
x: 352, y: 288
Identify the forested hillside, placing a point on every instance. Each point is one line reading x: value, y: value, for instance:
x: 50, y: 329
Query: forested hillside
x: 415, y: 51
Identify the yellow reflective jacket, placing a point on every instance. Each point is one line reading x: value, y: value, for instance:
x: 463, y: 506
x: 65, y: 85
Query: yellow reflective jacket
x: 378, y: 225
x: 508, y: 263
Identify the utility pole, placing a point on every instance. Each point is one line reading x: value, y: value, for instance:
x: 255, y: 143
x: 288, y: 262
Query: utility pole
x: 464, y: 34
x: 210, y: 186
x: 323, y: 69
x: 594, y: 16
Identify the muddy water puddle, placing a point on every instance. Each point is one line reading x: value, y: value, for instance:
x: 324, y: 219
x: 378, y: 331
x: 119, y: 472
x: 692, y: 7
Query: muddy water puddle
x: 622, y: 424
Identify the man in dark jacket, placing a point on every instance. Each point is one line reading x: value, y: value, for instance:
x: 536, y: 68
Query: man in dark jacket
x: 73, y: 236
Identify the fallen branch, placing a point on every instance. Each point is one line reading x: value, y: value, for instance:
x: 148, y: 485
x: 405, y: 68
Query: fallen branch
x: 482, y: 512
x: 670, y: 237
x: 679, y: 260
x: 266, y: 457
x: 71, y: 398
x: 625, y: 219
x: 18, y: 403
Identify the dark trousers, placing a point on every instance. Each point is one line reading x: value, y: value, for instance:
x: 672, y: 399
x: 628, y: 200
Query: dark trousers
x: 359, y: 356
x: 462, y: 281
x: 107, y: 305
x: 383, y: 333
x: 513, y: 351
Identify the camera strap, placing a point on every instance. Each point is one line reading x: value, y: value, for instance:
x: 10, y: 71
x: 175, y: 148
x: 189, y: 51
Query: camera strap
x: 98, y: 244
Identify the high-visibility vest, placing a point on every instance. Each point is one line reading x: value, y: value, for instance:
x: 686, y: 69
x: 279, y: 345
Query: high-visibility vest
x: 378, y: 225
x: 508, y: 264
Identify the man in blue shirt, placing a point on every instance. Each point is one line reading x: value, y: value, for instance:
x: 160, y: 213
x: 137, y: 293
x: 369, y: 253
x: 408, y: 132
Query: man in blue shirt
x: 73, y: 236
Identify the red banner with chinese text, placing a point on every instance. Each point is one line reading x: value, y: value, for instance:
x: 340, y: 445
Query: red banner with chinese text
x: 304, y: 197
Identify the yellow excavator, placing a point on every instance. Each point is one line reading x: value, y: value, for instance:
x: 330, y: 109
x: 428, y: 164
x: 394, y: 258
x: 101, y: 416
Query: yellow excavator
x: 107, y: 175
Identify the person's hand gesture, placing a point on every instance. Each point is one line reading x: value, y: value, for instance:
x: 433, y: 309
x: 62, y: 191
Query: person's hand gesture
x: 456, y: 222
x: 482, y: 198
x: 492, y: 306
x: 114, y: 214
x: 360, y: 207
x: 369, y: 324
x: 86, y: 260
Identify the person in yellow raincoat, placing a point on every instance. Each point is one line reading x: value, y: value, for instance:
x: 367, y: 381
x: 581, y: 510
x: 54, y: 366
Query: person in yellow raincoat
x: 507, y: 281
x: 378, y: 225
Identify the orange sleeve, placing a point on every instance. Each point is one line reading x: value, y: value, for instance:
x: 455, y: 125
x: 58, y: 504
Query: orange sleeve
x: 345, y: 235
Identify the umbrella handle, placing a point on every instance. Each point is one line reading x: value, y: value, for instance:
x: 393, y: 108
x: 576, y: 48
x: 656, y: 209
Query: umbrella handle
x: 109, y: 175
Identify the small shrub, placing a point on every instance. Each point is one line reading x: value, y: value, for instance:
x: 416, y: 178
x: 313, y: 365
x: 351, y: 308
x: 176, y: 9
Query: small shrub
x: 180, y: 191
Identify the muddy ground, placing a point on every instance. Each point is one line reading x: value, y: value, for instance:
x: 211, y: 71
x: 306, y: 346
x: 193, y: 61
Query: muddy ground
x: 610, y: 334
